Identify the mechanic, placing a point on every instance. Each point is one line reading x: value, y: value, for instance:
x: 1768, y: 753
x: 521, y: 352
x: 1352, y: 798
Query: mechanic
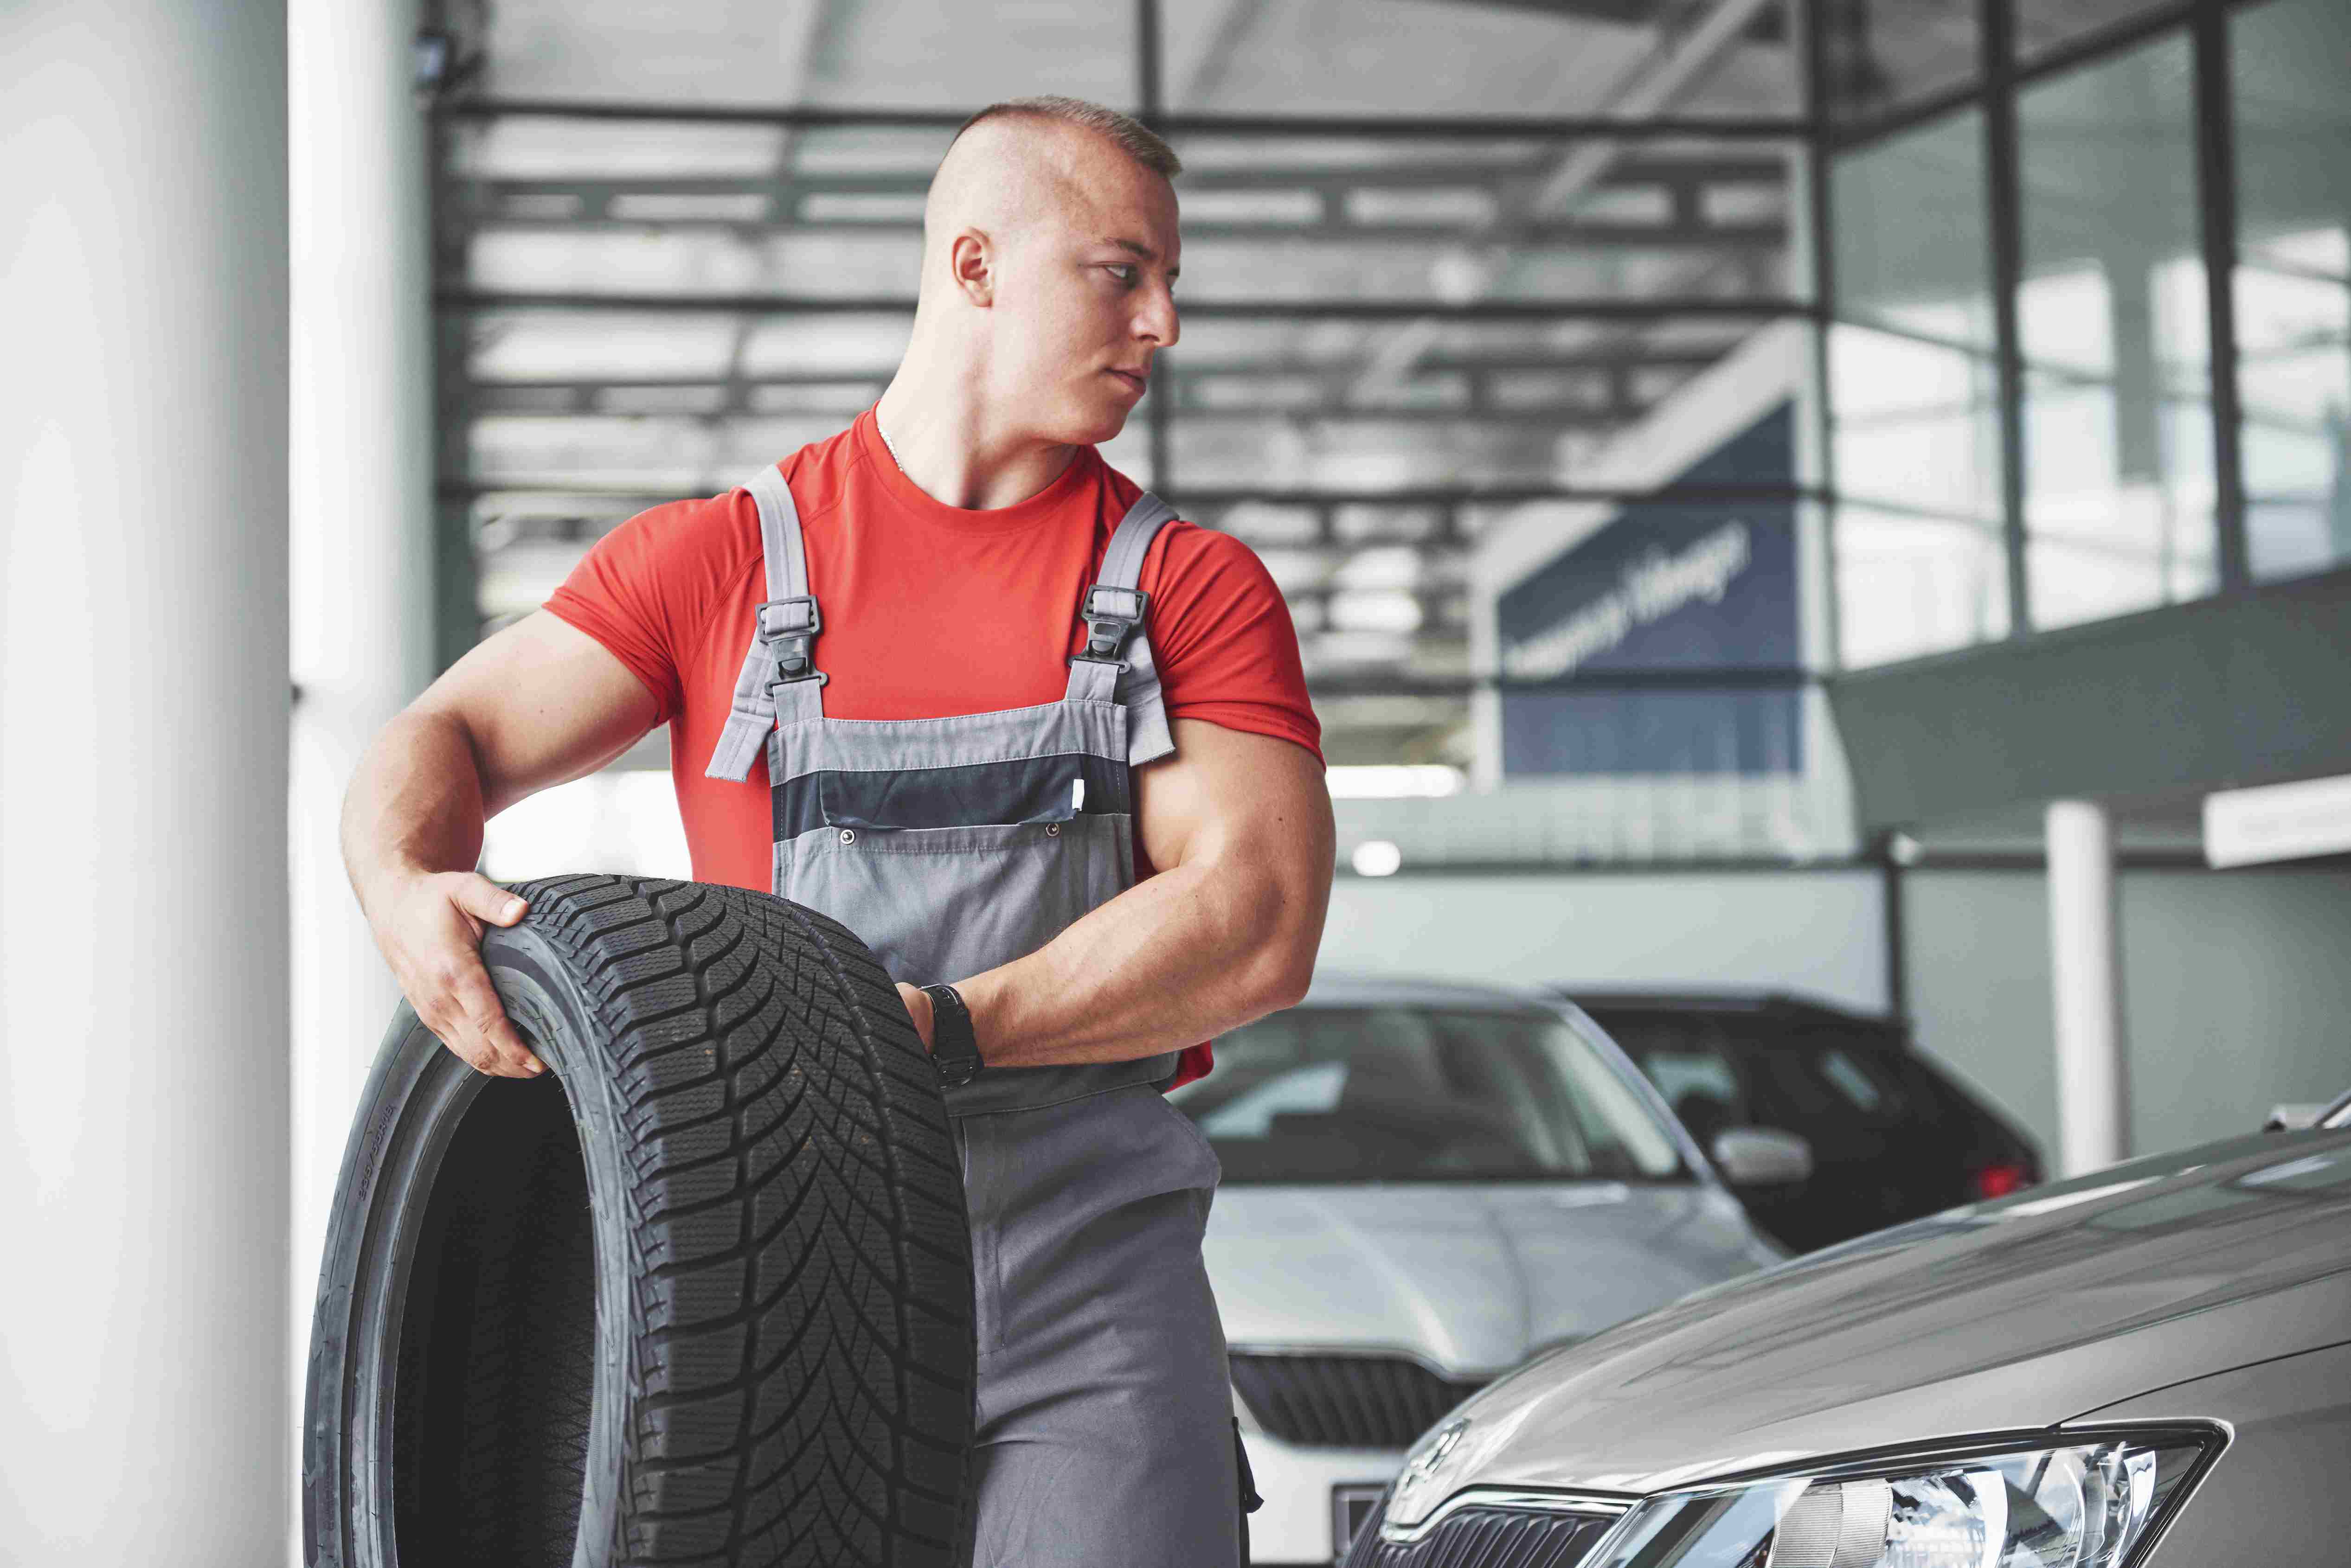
x: 1125, y: 839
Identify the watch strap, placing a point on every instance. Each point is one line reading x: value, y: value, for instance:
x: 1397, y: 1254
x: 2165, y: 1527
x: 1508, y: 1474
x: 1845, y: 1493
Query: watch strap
x: 955, y: 1049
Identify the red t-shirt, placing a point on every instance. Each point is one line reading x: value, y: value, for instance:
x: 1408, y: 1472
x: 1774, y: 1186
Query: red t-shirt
x: 929, y: 610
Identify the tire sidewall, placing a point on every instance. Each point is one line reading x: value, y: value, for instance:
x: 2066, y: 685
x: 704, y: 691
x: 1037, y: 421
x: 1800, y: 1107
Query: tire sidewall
x: 416, y: 1095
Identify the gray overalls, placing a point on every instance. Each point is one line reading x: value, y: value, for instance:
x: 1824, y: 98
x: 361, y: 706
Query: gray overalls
x: 952, y: 846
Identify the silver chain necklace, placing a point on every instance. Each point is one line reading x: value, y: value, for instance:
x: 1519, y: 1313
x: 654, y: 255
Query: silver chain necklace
x: 888, y: 448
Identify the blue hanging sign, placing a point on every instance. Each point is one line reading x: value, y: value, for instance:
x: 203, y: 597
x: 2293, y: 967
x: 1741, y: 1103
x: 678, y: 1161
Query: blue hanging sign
x: 1675, y: 591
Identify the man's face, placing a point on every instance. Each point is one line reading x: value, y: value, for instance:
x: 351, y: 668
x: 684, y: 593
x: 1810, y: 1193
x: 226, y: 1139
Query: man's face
x: 1085, y: 302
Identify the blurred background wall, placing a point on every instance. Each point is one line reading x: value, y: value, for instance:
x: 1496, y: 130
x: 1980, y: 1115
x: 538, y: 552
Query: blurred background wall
x: 1742, y: 471
x: 1890, y: 418
x: 144, y: 1176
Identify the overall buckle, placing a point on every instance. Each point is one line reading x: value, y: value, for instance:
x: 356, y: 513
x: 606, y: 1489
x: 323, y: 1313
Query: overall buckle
x: 1112, y: 615
x: 790, y: 635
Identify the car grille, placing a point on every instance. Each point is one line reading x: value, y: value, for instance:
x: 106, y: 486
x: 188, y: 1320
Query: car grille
x: 1485, y: 1537
x: 1345, y: 1401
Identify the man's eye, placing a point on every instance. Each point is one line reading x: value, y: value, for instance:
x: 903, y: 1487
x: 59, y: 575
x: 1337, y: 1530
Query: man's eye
x: 1124, y: 266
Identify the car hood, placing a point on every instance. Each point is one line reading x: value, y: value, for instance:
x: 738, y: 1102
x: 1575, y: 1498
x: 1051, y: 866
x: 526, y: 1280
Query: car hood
x: 2017, y: 1314
x: 1469, y: 1278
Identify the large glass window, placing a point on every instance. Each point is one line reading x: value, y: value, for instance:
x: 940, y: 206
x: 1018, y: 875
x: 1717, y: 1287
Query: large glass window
x: 1914, y: 393
x: 1306, y: 57
x: 1879, y: 55
x: 1909, y: 586
x: 2291, y: 65
x: 2043, y: 27
x: 1421, y: 1094
x: 2120, y: 498
x: 2112, y: 316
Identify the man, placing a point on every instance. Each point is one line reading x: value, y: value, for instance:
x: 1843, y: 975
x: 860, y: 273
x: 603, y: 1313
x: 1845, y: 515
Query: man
x: 978, y: 782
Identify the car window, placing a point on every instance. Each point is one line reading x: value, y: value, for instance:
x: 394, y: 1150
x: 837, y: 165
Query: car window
x: 1828, y: 1082
x: 1701, y: 1087
x: 1404, y: 1092
x: 1850, y: 1080
x: 1683, y: 1058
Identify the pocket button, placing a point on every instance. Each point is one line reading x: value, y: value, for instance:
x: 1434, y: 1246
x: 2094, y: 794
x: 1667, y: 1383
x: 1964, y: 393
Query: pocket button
x: 1052, y: 830
x: 848, y: 835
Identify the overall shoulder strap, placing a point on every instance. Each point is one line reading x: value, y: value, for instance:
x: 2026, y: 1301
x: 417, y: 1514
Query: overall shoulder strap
x: 779, y: 680
x: 1117, y: 663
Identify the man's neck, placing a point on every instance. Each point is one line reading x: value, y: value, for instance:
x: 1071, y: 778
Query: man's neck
x: 955, y: 455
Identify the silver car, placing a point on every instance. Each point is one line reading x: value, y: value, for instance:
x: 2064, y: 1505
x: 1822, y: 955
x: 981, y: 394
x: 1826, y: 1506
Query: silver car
x: 1423, y: 1185
x: 2145, y: 1367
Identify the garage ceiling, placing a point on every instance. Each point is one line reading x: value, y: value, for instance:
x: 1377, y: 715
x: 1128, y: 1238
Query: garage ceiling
x: 676, y: 242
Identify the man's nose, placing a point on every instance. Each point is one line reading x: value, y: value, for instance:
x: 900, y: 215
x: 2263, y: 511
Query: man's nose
x: 1158, y: 319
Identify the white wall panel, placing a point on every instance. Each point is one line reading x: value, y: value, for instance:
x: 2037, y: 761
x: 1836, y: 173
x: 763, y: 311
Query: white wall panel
x: 1815, y: 932
x: 2235, y: 994
x: 144, y: 1164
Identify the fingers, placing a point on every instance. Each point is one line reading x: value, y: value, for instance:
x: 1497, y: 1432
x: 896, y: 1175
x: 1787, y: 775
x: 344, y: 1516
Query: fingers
x: 495, y: 1046
x: 484, y: 900
x: 455, y: 999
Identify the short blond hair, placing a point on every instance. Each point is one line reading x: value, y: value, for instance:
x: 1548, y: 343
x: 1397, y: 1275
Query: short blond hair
x: 1134, y: 138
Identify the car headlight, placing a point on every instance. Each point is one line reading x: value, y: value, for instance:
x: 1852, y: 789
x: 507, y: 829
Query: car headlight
x: 2078, y: 1505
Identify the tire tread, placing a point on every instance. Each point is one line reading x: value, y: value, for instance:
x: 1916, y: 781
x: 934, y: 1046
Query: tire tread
x: 799, y: 1257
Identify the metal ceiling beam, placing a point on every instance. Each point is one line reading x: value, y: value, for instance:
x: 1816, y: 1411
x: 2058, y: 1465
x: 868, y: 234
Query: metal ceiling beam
x: 815, y: 24
x: 1500, y: 359
x: 1490, y: 494
x: 1444, y: 550
x: 1259, y: 390
x: 1740, y: 678
x: 481, y: 301
x: 1632, y: 168
x: 1679, y: 63
x: 1769, y: 27
x: 1681, y: 234
x: 1206, y: 498
x: 1207, y: 503
x: 1227, y: 40
x: 1484, y: 413
x: 1381, y: 128
x: 1672, y: 171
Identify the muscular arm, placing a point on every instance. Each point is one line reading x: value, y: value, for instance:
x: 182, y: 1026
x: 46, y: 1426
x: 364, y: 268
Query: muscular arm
x: 1241, y: 827
x: 539, y: 704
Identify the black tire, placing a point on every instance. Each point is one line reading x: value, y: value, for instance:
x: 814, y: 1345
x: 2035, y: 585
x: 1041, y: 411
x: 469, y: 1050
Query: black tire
x: 701, y: 1294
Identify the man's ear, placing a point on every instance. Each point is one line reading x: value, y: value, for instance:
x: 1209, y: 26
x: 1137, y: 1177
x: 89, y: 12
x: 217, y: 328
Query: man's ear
x: 971, y: 261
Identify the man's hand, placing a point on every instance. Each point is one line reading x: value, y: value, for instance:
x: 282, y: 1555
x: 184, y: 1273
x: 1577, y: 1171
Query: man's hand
x: 918, y: 1008
x: 537, y: 704
x: 428, y: 930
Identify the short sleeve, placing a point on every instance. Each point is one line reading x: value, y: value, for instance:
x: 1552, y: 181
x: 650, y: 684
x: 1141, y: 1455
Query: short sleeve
x: 647, y: 587
x: 1223, y: 641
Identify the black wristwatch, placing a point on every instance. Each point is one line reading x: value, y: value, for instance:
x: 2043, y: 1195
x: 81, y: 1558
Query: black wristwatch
x: 955, y: 1052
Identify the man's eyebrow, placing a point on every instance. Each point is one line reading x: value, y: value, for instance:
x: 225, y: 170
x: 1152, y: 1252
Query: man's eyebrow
x: 1136, y: 247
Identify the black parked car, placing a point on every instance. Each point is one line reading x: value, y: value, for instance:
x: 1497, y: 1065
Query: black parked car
x: 1893, y: 1136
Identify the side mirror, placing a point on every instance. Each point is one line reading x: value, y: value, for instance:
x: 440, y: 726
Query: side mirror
x: 2293, y: 1117
x: 1760, y: 1157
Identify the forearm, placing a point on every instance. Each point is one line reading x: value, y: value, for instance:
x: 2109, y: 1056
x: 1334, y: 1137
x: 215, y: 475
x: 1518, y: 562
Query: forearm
x: 415, y: 804
x: 1172, y: 961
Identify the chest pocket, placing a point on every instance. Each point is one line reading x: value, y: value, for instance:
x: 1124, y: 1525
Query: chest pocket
x: 1022, y: 791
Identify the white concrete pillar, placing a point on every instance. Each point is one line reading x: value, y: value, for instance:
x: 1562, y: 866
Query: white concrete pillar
x: 144, y: 1165
x: 2085, y: 965
x: 362, y: 484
